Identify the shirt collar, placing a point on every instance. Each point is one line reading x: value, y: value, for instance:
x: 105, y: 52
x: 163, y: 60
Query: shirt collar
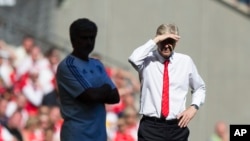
x: 161, y: 59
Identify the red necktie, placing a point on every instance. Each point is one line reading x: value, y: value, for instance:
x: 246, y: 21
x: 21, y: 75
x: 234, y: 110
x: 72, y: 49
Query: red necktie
x: 165, y: 91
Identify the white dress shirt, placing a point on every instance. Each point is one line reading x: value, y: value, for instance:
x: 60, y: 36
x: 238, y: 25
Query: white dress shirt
x: 182, y: 76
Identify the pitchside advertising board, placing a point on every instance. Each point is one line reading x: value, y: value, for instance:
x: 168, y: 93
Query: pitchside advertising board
x: 239, y: 132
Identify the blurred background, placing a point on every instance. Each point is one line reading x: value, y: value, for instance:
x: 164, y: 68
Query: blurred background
x: 34, y: 38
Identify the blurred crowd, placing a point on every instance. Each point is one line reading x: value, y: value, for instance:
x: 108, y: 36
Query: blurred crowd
x: 29, y: 108
x: 242, y: 5
x: 29, y: 105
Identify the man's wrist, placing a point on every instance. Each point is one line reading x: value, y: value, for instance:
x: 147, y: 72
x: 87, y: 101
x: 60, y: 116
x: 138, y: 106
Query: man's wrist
x: 195, y: 106
x: 156, y: 39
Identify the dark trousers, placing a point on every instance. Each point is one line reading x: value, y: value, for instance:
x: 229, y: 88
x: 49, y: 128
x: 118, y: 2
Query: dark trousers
x: 155, y: 129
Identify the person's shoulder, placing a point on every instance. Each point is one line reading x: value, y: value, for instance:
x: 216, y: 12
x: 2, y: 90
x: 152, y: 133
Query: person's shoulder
x: 64, y: 61
x: 95, y: 61
x: 63, y: 66
x: 181, y: 56
x: 20, y: 48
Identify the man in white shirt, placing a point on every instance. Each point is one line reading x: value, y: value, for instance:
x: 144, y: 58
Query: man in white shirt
x: 166, y: 75
x: 23, y: 51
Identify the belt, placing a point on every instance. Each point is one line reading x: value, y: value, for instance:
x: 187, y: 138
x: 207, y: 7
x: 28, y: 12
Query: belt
x: 160, y: 120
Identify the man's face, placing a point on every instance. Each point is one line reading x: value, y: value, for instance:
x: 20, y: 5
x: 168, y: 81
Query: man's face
x: 166, y: 47
x: 86, y: 42
x: 28, y: 43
